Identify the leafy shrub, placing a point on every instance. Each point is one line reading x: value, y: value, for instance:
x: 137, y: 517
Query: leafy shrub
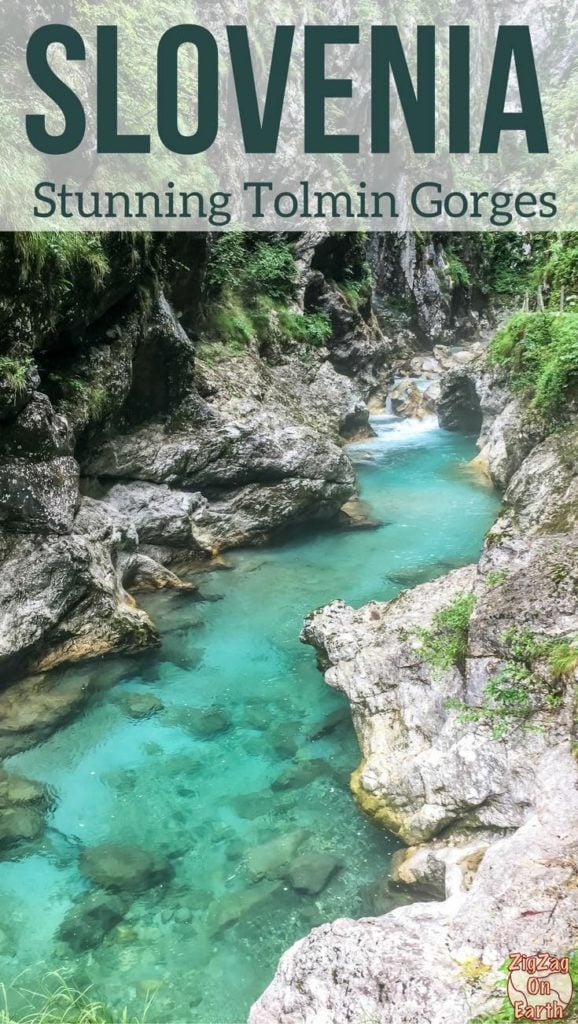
x: 445, y: 644
x: 15, y: 372
x: 313, y: 329
x: 540, y: 351
x: 456, y: 269
x: 235, y: 264
x: 515, y: 693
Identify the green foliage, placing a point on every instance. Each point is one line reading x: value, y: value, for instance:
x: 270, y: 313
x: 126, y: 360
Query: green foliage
x: 560, y: 270
x: 226, y: 260
x: 238, y: 265
x: 540, y: 351
x: 91, y: 399
x: 15, y: 372
x: 563, y: 658
x: 505, y: 261
x: 445, y: 643
x: 515, y: 693
x: 456, y: 269
x: 270, y: 270
x: 56, y: 278
x: 312, y: 329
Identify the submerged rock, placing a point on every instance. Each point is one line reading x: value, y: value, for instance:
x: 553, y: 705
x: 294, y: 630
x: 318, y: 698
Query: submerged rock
x: 301, y: 774
x: 31, y: 710
x: 141, y: 705
x: 311, y: 872
x: 238, y: 905
x: 201, y: 722
x: 331, y: 722
x: 274, y: 858
x: 18, y: 824
x: 124, y: 868
x: 90, y: 919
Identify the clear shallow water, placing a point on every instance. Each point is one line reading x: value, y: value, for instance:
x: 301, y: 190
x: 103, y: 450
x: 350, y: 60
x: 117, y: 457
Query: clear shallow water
x: 208, y: 801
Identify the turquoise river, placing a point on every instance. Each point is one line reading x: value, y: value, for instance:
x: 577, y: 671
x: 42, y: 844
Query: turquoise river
x: 206, y: 945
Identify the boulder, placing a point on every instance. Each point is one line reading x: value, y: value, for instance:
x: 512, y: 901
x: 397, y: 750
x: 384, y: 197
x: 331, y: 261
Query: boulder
x: 124, y: 868
x: 442, y: 961
x: 162, y: 516
x: 32, y: 709
x: 17, y: 791
x: 301, y: 774
x: 38, y: 497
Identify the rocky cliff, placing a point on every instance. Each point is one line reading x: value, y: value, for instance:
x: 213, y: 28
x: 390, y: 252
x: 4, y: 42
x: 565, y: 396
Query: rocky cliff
x: 130, y: 445
x: 463, y: 697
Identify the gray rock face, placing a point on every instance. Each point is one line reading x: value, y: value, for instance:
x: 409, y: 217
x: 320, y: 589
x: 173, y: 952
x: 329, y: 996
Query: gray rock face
x: 38, y: 497
x: 543, y: 494
x: 61, y: 598
x: 253, y: 455
x: 474, y: 397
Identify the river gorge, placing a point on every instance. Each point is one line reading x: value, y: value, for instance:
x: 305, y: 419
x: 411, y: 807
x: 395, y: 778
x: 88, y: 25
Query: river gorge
x: 265, y: 773
x: 230, y: 465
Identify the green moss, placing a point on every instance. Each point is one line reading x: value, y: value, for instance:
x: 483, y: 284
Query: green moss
x: 445, y: 644
x: 312, y: 329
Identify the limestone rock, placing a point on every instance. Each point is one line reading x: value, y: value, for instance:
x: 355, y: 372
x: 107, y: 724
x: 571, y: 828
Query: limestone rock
x: 141, y: 705
x: 415, y: 963
x: 61, y: 598
x: 32, y: 709
x: 38, y: 497
x: 124, y: 868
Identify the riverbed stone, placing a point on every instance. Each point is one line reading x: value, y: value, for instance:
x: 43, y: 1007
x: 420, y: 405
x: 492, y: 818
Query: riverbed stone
x: 237, y: 905
x: 19, y: 824
x: 273, y: 858
x: 301, y: 774
x: 328, y: 725
x: 90, y: 919
x: 141, y: 705
x: 124, y: 868
x: 311, y: 872
x: 203, y: 723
